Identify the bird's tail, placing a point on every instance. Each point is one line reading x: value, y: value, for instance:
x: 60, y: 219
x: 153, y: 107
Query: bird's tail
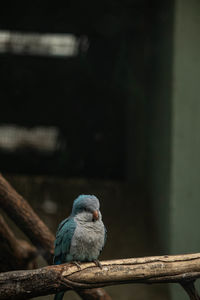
x: 59, y: 296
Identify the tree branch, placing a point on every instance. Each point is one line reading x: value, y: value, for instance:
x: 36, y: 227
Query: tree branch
x: 51, y: 279
x: 190, y: 290
x: 94, y: 294
x: 23, y: 215
x: 21, y: 212
x: 14, y: 253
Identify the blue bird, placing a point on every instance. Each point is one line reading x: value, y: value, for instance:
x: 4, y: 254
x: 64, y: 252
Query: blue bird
x: 81, y: 237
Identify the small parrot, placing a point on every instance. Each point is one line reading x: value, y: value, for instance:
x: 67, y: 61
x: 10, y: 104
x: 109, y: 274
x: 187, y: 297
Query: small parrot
x: 82, y: 236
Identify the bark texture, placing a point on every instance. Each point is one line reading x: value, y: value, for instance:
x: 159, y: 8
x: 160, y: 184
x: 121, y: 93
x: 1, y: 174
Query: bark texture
x: 183, y: 269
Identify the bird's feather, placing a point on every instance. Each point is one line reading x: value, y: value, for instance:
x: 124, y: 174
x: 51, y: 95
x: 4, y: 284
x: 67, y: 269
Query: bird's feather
x: 79, y: 237
x: 105, y: 236
x: 63, y: 240
x: 59, y: 296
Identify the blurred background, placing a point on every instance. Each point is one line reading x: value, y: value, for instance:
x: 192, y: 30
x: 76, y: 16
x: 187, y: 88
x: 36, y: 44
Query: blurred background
x: 102, y: 98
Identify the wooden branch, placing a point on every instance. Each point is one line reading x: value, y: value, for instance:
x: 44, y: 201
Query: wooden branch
x: 183, y: 269
x: 190, y: 290
x: 14, y: 253
x: 21, y: 212
x: 51, y: 279
x: 94, y: 294
x: 23, y: 215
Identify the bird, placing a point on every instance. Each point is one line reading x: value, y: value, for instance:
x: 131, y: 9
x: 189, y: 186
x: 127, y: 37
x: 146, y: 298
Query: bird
x: 82, y: 236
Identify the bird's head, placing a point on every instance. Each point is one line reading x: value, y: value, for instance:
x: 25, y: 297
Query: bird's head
x: 87, y: 207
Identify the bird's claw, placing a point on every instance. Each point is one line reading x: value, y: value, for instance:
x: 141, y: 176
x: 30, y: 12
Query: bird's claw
x: 76, y: 263
x: 98, y: 264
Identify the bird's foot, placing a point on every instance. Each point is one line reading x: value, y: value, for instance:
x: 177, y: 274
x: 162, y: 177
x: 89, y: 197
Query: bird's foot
x: 77, y: 263
x: 98, y: 264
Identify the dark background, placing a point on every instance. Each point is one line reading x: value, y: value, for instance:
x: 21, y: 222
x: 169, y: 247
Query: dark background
x: 102, y: 101
x: 89, y: 96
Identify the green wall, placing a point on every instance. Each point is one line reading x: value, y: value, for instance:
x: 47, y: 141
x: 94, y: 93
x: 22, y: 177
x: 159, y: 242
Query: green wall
x: 185, y: 172
x: 185, y: 167
x: 159, y: 122
x: 174, y: 132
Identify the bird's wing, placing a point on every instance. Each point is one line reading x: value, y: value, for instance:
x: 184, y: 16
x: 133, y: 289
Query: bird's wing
x: 105, y: 235
x: 63, y: 240
x: 105, y: 238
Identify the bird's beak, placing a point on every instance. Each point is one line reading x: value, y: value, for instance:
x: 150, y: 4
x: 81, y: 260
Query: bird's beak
x: 95, y: 215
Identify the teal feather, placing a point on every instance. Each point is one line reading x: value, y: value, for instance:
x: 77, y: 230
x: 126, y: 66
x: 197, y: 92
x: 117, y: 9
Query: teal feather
x: 66, y: 231
x: 59, y: 296
x: 62, y: 245
x: 63, y: 240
